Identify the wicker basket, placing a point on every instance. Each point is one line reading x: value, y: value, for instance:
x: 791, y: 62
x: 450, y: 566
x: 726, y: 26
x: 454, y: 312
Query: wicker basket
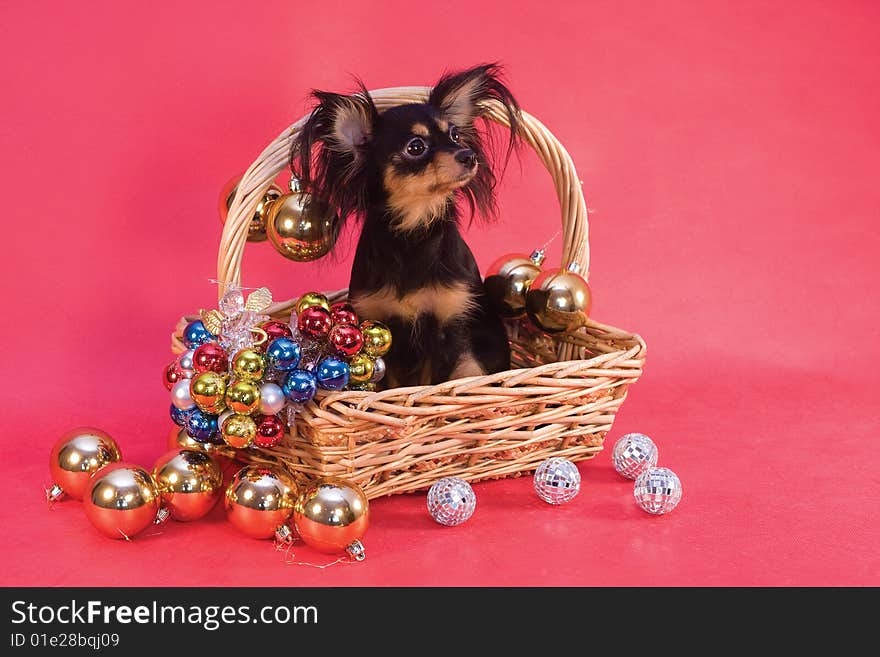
x: 560, y: 401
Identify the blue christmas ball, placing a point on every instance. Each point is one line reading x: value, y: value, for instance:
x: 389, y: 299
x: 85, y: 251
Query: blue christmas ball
x: 179, y: 416
x: 202, y: 427
x: 283, y: 354
x: 196, y: 334
x: 300, y: 386
x: 332, y: 373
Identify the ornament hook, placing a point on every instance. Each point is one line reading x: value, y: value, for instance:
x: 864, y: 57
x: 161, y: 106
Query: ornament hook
x: 54, y: 494
x: 537, y: 256
x: 162, y: 516
x: 357, y: 551
x: 263, y: 336
x: 284, y: 537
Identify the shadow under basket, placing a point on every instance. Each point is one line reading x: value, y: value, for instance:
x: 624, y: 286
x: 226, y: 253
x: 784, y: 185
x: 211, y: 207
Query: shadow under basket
x: 559, y: 400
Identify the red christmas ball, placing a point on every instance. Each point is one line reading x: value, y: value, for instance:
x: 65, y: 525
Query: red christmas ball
x: 270, y: 430
x: 211, y: 357
x: 343, y: 313
x: 314, y: 322
x: 274, y: 329
x: 172, y: 375
x: 346, y: 340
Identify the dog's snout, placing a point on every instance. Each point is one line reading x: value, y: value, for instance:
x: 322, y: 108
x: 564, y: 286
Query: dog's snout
x: 466, y: 157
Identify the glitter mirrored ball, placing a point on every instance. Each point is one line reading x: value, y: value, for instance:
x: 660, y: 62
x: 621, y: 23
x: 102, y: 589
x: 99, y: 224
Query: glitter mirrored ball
x: 557, y: 481
x: 657, y: 490
x: 633, y: 454
x: 451, y: 501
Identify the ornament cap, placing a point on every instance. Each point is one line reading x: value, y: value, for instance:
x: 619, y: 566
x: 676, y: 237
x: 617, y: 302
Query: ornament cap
x: 162, y: 516
x: 54, y: 494
x: 356, y: 551
x: 295, y: 185
x: 574, y: 268
x: 284, y: 535
x: 262, y: 337
x: 537, y: 256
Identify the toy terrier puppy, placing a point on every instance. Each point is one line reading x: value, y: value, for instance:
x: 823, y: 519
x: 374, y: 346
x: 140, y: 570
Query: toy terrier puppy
x: 404, y: 171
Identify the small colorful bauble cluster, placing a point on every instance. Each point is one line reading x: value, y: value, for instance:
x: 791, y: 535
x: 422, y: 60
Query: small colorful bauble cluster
x: 224, y: 396
x: 555, y: 300
x: 244, y: 375
x: 656, y: 490
x: 338, y: 350
x: 329, y: 514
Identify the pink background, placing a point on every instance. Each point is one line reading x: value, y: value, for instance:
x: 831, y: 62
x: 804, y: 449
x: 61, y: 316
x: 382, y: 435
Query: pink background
x: 730, y: 156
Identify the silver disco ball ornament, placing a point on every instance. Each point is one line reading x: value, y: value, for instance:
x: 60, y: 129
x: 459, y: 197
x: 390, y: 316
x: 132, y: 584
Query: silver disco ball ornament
x: 451, y: 501
x: 657, y: 490
x: 557, y: 480
x: 633, y: 454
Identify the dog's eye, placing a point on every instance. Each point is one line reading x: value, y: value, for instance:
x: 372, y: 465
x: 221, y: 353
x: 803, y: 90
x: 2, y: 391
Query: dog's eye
x: 416, y: 147
x: 453, y: 134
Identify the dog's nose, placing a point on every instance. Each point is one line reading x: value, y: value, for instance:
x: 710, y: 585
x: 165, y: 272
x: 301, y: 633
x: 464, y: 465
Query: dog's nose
x: 466, y: 157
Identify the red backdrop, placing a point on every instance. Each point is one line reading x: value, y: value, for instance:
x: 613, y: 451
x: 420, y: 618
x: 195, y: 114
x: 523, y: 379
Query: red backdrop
x: 730, y: 158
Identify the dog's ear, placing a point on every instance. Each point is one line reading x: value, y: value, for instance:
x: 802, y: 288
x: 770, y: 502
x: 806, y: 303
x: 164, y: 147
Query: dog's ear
x: 349, y: 120
x: 460, y: 97
x: 463, y: 97
x: 328, y: 155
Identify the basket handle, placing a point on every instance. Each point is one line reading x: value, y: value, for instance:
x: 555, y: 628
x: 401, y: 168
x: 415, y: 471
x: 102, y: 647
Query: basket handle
x: 275, y: 157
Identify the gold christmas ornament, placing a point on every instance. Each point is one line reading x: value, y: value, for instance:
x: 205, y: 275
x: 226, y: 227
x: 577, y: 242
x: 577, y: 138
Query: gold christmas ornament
x: 377, y: 338
x: 75, y: 457
x: 559, y: 300
x: 179, y: 439
x: 310, y: 299
x: 260, y: 499
x: 208, y: 391
x: 299, y: 228
x: 249, y: 365
x: 122, y: 500
x: 360, y: 368
x: 239, y: 431
x: 257, y: 227
x: 243, y: 397
x: 190, y: 483
x: 332, y: 515
x: 507, y: 281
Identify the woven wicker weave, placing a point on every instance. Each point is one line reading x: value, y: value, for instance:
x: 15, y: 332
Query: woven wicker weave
x: 560, y: 401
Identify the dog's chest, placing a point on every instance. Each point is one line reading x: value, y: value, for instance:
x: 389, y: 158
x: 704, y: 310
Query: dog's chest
x: 446, y: 303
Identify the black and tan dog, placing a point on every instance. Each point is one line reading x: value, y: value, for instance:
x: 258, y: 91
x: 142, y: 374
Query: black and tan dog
x: 403, y: 172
